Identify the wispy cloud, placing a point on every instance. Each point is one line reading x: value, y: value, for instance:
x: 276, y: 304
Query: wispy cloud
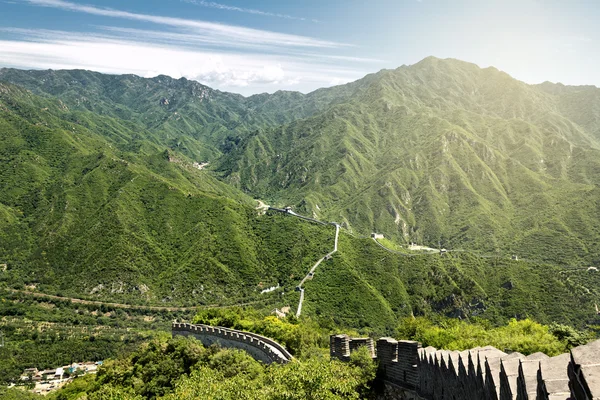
x: 176, y: 38
x: 342, y: 58
x: 219, y: 6
x: 223, y: 32
x: 227, y: 57
x: 137, y: 52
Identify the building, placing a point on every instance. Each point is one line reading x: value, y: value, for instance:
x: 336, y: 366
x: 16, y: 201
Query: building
x: 48, y: 374
x: 29, y: 374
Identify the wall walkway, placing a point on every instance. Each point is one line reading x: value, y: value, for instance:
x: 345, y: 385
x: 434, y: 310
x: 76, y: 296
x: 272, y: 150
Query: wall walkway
x: 482, y: 373
x: 259, y: 347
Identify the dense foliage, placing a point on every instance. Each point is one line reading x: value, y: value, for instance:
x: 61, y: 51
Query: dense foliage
x: 437, y: 152
x: 49, y: 333
x: 85, y: 219
x: 525, y: 336
x: 365, y: 287
x: 442, y: 152
x: 301, y: 338
x: 181, y: 368
x: 84, y: 214
x: 103, y: 197
x: 17, y: 394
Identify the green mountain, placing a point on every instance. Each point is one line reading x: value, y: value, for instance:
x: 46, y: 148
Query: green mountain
x: 442, y: 152
x: 87, y: 210
x: 183, y: 115
x: 103, y: 195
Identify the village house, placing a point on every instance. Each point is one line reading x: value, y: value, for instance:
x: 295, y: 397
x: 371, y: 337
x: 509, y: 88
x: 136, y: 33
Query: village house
x: 49, y: 380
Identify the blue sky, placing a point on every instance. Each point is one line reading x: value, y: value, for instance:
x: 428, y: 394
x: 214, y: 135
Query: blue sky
x: 261, y: 46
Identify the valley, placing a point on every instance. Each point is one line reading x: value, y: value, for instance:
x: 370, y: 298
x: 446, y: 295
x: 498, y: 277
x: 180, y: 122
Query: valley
x: 100, y: 203
x: 127, y: 203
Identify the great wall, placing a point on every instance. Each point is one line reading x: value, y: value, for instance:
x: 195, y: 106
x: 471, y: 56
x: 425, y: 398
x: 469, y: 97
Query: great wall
x: 410, y: 372
x: 482, y: 373
x: 327, y: 256
x: 260, y: 347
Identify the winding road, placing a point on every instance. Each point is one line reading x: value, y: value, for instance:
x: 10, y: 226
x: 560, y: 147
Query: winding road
x: 122, y: 305
x: 326, y: 256
x: 314, y: 267
x: 393, y: 251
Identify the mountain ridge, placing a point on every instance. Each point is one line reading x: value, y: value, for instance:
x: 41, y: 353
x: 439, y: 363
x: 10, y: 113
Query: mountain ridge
x: 99, y: 200
x: 395, y: 101
x: 395, y: 91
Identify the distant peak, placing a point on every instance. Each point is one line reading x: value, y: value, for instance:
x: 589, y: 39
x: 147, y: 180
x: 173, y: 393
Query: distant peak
x: 430, y: 59
x: 162, y: 76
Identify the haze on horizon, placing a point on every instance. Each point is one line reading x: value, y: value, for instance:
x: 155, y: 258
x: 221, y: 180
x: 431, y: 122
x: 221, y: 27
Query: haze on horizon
x: 262, y: 46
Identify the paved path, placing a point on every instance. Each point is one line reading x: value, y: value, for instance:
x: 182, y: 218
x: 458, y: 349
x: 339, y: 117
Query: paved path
x: 267, y: 347
x: 314, y: 267
x: 126, y: 306
x: 299, y: 310
x: 290, y: 212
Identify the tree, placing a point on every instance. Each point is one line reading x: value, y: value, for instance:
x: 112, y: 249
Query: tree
x: 362, y: 359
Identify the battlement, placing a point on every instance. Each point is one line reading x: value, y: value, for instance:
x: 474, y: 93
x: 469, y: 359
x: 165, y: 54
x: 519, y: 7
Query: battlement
x: 340, y: 346
x: 480, y: 373
x: 259, y: 347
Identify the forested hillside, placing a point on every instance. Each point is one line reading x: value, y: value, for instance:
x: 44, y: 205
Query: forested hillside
x: 105, y: 193
x: 442, y: 152
x: 183, y: 115
x: 86, y: 210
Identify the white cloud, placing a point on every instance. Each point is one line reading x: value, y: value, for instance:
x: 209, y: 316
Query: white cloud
x: 220, y: 6
x: 222, y: 56
x: 240, y: 72
x: 343, y: 58
x: 190, y: 40
x: 232, y: 34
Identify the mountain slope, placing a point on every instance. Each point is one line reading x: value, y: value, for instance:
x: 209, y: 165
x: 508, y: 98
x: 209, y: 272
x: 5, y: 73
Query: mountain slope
x: 184, y: 115
x: 92, y: 206
x: 82, y: 216
x: 440, y: 151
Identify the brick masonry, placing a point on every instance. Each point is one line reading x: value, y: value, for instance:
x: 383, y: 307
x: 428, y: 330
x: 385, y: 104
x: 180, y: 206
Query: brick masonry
x: 259, y: 347
x: 482, y: 373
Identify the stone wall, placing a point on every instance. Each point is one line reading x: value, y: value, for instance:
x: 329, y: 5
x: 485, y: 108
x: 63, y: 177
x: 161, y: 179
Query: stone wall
x: 390, y: 391
x: 259, y: 347
x: 398, y: 361
x: 340, y: 346
x: 482, y: 373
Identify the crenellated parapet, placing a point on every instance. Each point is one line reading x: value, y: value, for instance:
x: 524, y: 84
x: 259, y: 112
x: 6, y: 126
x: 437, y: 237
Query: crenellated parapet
x: 340, y: 346
x: 259, y: 347
x: 490, y: 374
x: 403, y: 369
x: 482, y: 373
x: 584, y: 371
